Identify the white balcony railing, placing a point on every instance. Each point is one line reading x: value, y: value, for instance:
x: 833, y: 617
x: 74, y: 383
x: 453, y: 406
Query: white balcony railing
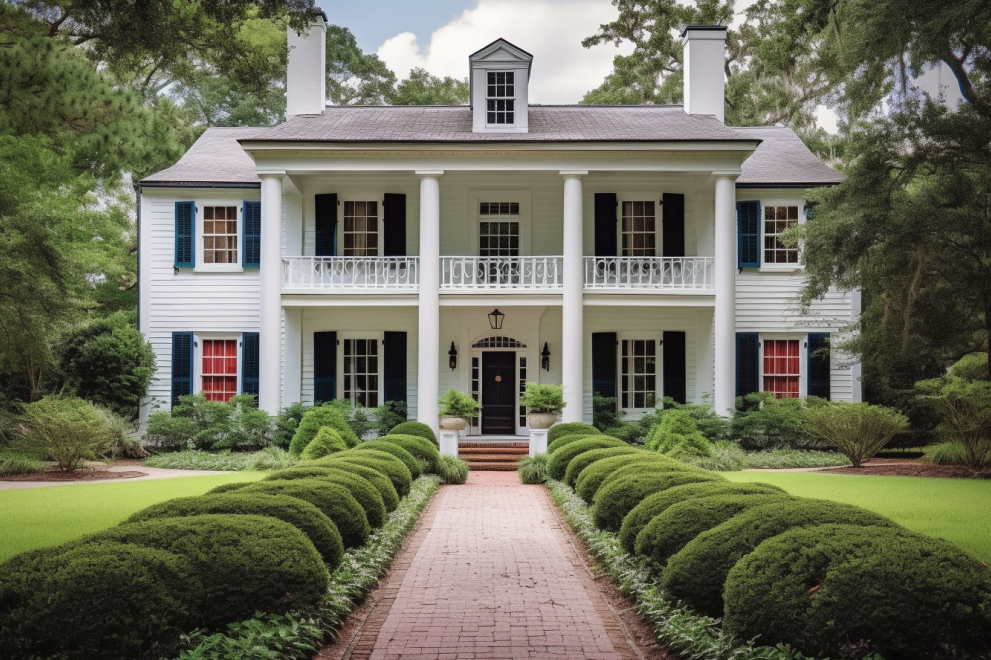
x: 658, y: 273
x: 500, y: 273
x: 350, y: 272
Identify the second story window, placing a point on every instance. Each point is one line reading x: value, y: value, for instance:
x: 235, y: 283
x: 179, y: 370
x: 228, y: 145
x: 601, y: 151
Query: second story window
x: 777, y: 220
x: 500, y: 98
x: 220, y: 234
x: 639, y: 229
x: 499, y: 229
x: 361, y: 229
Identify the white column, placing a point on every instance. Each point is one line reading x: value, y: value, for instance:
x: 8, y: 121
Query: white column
x: 724, y: 317
x: 269, y: 340
x: 572, y: 313
x: 428, y: 344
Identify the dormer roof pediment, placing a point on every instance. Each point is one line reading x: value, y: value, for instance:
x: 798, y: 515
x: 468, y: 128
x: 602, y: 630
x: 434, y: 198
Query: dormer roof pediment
x: 500, y: 53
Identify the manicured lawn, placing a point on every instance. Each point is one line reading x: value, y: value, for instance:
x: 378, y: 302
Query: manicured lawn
x: 952, y: 509
x: 39, y: 517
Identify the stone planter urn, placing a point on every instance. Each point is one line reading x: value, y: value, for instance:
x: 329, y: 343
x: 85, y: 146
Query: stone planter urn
x: 541, y: 420
x: 449, y: 423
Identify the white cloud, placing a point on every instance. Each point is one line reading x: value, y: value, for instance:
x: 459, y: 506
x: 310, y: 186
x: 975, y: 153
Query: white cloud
x: 551, y: 30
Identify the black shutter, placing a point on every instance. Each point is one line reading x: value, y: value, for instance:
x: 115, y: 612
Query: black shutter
x: 394, y: 354
x: 747, y: 363
x: 818, y: 365
x: 675, y: 371
x: 604, y: 364
x: 673, y: 225
x: 252, y: 216
x: 182, y: 365
x: 249, y: 363
x: 605, y: 225
x: 394, y: 225
x: 748, y: 234
x: 325, y: 215
x: 185, y: 223
x: 324, y: 367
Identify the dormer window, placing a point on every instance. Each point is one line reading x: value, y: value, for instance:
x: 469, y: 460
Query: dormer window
x: 500, y: 98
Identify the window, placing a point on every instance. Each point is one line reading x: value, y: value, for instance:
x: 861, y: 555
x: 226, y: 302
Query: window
x: 219, y: 377
x: 361, y: 372
x: 782, y: 368
x: 523, y: 419
x: 639, y: 373
x: 361, y: 233
x: 220, y: 234
x: 777, y: 220
x: 639, y: 236
x: 501, y: 97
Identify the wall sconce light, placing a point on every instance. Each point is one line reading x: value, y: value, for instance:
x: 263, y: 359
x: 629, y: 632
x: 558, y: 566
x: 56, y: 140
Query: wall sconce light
x: 545, y: 358
x: 452, y: 361
x: 495, y: 319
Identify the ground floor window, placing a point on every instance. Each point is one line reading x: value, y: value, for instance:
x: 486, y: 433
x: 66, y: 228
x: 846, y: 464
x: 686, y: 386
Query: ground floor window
x: 361, y: 372
x: 782, y: 368
x: 638, y: 367
x: 219, y: 371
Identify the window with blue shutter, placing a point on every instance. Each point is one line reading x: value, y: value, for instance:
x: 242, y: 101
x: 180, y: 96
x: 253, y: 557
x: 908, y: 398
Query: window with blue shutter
x: 604, y: 364
x: 325, y: 218
x: 748, y: 234
x: 394, y: 355
x: 819, y: 364
x: 182, y: 365
x: 747, y: 363
x: 675, y: 376
x: 324, y: 367
x: 249, y: 363
x: 394, y: 226
x: 252, y: 240
x: 185, y: 226
x: 605, y: 225
x: 673, y: 225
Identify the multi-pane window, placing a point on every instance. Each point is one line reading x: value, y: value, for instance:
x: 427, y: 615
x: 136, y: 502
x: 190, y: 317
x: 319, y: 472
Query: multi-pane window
x: 220, y: 234
x: 782, y: 368
x: 523, y: 420
x: 639, y: 373
x: 361, y: 229
x: 361, y: 372
x: 639, y: 235
x: 777, y: 220
x: 475, y: 389
x: 219, y: 372
x: 499, y: 239
x: 501, y: 97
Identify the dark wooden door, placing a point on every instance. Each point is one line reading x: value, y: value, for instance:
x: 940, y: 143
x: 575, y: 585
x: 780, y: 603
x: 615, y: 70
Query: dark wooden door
x: 499, y: 393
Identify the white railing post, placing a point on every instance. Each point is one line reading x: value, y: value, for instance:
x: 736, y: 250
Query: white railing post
x: 657, y: 273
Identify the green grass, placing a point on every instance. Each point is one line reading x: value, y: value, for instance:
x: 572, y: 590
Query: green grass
x: 39, y: 517
x: 952, y: 509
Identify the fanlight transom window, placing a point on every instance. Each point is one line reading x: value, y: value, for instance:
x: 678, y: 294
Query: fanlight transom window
x: 498, y: 342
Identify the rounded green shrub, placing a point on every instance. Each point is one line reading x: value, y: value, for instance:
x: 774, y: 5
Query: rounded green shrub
x: 359, y: 487
x: 418, y: 429
x: 678, y: 436
x: 666, y: 465
x: 381, y: 482
x: 656, y: 504
x: 564, y: 440
x: 672, y: 530
x: 452, y: 470
x: 102, y: 601
x: 417, y: 446
x: 697, y: 573
x: 305, y: 517
x: 558, y: 463
x: 582, y: 461
x: 229, y: 488
x: 614, y: 501
x: 326, y: 442
x: 822, y: 588
x: 315, y: 419
x: 335, y: 501
x: 570, y: 428
x: 387, y: 464
x: 395, y: 450
x: 590, y: 479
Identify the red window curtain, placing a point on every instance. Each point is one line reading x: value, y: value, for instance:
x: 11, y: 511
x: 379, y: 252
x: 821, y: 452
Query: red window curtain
x: 219, y: 369
x: 782, y: 368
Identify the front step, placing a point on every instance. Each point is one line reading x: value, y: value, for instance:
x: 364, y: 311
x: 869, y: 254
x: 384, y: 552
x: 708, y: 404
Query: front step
x: 493, y: 456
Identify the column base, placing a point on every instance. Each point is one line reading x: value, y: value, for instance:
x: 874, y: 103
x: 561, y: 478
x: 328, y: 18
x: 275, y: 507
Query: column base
x: 449, y: 443
x: 538, y: 441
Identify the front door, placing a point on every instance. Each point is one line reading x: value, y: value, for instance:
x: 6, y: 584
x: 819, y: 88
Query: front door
x: 498, y: 393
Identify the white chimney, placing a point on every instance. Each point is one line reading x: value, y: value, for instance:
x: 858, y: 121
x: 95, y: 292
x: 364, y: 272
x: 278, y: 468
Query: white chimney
x: 704, y: 56
x: 306, y: 79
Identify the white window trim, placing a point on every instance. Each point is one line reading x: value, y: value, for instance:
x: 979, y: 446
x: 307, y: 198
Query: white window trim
x: 475, y: 197
x: 803, y: 353
x: 651, y: 196
x: 372, y: 334
x: 198, y: 338
x: 514, y: 98
x: 636, y: 413
x: 790, y: 268
x: 377, y: 196
x: 200, y: 266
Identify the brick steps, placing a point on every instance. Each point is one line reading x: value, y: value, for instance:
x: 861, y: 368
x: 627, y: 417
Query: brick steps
x: 492, y: 456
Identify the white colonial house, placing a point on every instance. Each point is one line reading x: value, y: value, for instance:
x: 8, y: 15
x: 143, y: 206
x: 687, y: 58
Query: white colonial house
x: 389, y: 253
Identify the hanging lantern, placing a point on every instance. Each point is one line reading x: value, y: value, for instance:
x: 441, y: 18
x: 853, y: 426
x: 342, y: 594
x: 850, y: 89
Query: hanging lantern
x: 495, y: 319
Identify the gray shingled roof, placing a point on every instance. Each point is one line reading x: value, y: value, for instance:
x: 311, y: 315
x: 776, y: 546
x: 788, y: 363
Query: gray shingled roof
x: 783, y: 158
x: 216, y: 157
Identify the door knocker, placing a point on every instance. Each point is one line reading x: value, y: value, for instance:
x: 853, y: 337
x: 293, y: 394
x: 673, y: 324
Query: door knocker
x: 498, y: 379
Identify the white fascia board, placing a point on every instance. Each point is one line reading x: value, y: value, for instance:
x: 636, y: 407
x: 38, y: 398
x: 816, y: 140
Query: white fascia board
x: 260, y: 148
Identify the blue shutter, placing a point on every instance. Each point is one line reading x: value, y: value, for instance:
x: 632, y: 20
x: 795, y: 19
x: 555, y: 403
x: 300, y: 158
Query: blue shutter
x: 185, y: 225
x: 675, y: 377
x: 394, y: 354
x: 747, y: 363
x: 818, y: 365
x: 249, y: 363
x: 325, y: 219
x: 182, y: 365
x: 748, y: 234
x: 604, y: 364
x: 324, y: 367
x: 252, y: 215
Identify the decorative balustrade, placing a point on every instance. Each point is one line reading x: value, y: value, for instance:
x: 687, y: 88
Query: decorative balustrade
x: 658, y: 273
x: 474, y: 273
x: 365, y: 273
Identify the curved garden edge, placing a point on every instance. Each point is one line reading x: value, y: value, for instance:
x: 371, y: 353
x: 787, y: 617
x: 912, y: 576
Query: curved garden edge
x: 297, y: 635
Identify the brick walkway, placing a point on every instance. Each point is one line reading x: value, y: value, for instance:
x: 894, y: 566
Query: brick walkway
x: 490, y: 573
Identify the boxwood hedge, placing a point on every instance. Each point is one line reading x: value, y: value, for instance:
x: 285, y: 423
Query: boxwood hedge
x: 570, y: 428
x: 387, y: 464
x: 697, y: 573
x: 395, y: 450
x: 381, y: 482
x: 822, y: 588
x: 359, y: 487
x: 614, y: 501
x: 667, y: 465
x: 590, y: 479
x: 313, y: 420
x: 565, y: 440
x: 558, y: 462
x: 582, y: 461
x: 422, y: 449
x: 418, y: 429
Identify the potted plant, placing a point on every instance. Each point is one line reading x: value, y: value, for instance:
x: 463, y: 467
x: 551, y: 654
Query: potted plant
x: 456, y: 410
x: 543, y: 404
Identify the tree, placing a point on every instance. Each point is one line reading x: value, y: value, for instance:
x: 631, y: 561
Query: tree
x: 353, y: 77
x: 421, y: 88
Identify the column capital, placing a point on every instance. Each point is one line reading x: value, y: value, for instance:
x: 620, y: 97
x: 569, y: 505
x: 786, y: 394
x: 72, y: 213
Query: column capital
x: 272, y: 174
x: 429, y: 174
x: 573, y: 174
x: 727, y: 174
